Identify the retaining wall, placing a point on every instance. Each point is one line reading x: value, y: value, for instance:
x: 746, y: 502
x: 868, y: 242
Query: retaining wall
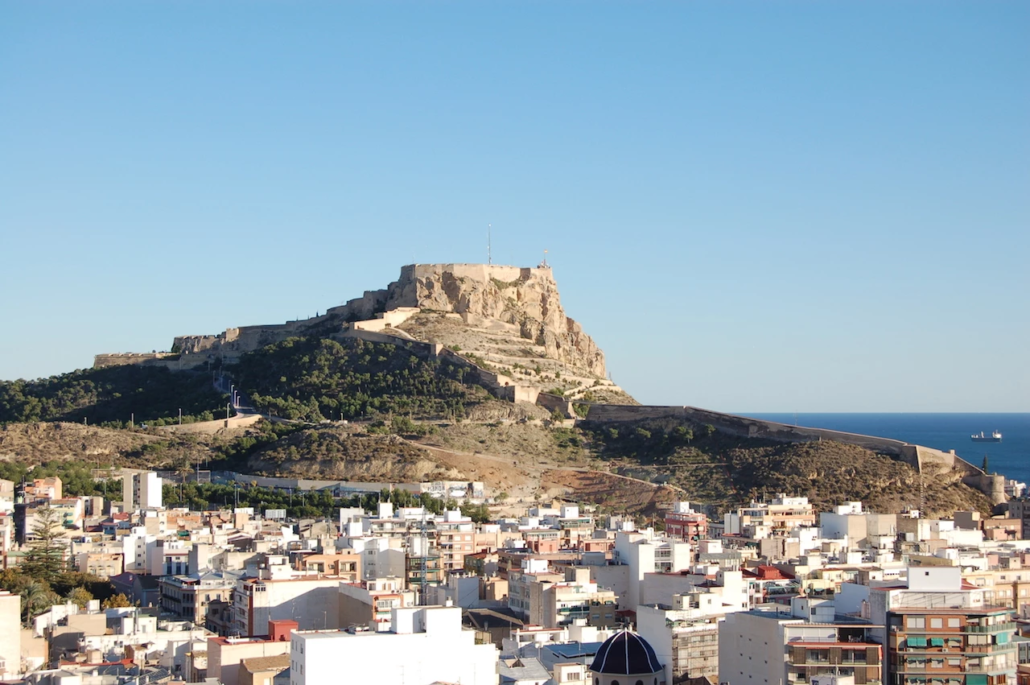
x: 210, y: 427
x: 309, y: 484
x: 556, y: 403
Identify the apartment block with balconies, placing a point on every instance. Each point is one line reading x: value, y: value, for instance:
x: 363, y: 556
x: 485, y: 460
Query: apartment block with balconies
x: 951, y: 646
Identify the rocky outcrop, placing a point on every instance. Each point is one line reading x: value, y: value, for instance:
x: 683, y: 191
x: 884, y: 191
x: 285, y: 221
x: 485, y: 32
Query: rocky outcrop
x: 526, y: 298
x: 523, y: 299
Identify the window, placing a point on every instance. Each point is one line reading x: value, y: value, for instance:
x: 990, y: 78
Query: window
x: 936, y: 622
x: 915, y: 622
x: 954, y: 622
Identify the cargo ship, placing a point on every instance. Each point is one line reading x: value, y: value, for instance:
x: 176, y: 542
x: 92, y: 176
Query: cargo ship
x: 993, y: 437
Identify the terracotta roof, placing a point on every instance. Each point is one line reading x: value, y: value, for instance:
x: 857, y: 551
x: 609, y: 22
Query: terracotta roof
x: 267, y: 663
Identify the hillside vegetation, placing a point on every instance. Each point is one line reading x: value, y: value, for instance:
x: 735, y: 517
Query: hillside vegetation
x: 111, y: 396
x: 315, y: 379
x: 726, y: 470
x: 415, y: 419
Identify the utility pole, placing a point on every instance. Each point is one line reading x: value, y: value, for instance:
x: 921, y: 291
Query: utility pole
x: 132, y: 420
x: 180, y: 416
x: 489, y: 257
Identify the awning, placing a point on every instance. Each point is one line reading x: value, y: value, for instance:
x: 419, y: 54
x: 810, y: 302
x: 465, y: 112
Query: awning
x: 916, y: 641
x: 936, y: 641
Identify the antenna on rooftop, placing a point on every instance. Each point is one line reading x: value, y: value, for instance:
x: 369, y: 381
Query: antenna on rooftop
x: 489, y: 258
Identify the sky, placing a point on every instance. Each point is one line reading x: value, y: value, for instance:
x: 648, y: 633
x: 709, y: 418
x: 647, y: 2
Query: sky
x: 750, y: 206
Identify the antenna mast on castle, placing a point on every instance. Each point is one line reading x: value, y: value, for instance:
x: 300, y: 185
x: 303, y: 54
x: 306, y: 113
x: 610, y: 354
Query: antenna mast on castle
x: 489, y: 258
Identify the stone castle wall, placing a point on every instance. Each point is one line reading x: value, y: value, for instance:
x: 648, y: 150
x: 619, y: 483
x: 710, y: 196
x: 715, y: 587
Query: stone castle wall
x: 472, y: 290
x: 124, y: 359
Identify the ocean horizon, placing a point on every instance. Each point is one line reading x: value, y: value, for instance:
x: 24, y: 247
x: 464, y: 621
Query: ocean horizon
x: 943, y: 431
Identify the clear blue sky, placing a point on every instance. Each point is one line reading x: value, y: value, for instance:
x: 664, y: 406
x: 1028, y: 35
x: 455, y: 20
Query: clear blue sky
x: 812, y: 206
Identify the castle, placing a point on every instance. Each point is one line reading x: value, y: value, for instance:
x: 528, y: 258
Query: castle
x: 515, y: 313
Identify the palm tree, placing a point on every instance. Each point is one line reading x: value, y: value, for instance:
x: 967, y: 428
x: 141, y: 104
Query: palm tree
x: 33, y: 598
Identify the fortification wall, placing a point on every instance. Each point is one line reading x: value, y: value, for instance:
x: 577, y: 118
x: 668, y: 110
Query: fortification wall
x: 476, y: 272
x: 740, y: 425
x: 123, y: 359
x: 556, y: 403
x: 388, y: 319
x: 307, y: 484
x: 366, y: 306
x: 417, y: 347
x: 211, y: 427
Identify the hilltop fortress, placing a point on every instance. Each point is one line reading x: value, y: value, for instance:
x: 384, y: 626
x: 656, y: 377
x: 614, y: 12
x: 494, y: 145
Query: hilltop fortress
x: 506, y: 323
x: 507, y: 326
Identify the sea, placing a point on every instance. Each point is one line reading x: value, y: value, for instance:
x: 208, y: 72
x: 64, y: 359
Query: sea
x: 1010, y: 457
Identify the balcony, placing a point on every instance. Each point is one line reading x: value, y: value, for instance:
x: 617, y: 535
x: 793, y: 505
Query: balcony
x: 996, y: 628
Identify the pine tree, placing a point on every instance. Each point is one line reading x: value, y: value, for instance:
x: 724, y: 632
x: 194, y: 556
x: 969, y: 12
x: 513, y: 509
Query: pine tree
x: 985, y: 464
x: 45, y: 559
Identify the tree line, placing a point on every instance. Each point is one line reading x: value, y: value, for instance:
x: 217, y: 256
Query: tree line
x: 317, y: 379
x: 111, y: 396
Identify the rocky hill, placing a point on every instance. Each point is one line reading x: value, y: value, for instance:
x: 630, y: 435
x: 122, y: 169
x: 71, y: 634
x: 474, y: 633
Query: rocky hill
x: 506, y: 320
x: 640, y: 468
x: 454, y: 371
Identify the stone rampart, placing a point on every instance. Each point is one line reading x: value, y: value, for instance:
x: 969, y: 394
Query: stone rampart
x: 366, y: 307
x: 308, y: 484
x: 476, y: 272
x: 211, y: 427
x: 389, y: 319
x: 417, y: 347
x: 124, y: 359
x: 556, y: 403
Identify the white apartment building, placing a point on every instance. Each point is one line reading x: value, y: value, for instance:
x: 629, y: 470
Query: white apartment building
x: 760, y: 519
x: 279, y: 594
x: 426, y: 645
x: 140, y: 490
x: 370, y: 604
x: 10, y: 635
x: 644, y: 554
x: 685, y: 637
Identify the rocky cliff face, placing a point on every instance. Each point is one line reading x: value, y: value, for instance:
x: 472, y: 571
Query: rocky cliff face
x: 506, y: 304
x: 525, y: 298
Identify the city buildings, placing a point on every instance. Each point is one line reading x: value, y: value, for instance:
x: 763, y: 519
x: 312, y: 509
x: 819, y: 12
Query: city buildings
x: 140, y: 490
x: 10, y: 635
x: 424, y: 645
